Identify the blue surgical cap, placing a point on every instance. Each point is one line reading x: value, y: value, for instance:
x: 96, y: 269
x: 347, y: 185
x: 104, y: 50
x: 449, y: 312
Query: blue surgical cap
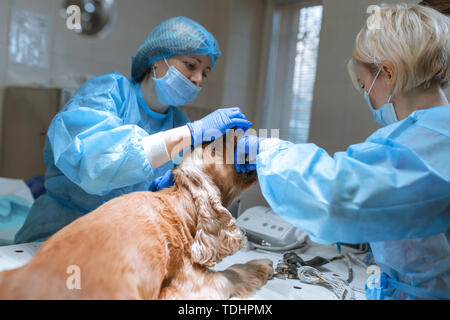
x: 177, y: 35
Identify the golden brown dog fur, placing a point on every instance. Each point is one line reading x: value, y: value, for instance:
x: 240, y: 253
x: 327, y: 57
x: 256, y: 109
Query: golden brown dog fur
x: 150, y: 245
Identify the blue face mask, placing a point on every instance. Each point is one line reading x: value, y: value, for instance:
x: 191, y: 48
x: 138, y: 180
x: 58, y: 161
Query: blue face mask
x: 384, y: 115
x: 174, y: 89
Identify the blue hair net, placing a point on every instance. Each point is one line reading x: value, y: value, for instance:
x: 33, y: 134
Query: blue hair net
x: 177, y: 35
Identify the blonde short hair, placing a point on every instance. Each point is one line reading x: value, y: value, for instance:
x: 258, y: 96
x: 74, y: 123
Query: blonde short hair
x: 413, y: 37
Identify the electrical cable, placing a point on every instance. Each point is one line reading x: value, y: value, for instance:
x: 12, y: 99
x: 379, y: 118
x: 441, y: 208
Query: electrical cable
x: 340, y: 287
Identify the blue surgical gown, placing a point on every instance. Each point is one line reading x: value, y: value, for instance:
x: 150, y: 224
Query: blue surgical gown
x: 393, y: 191
x: 94, y: 152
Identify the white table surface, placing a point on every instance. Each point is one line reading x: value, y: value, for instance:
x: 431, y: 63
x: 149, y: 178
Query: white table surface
x: 15, y: 256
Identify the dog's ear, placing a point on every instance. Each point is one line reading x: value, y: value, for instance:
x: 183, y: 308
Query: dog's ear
x: 238, y: 134
x: 217, y: 235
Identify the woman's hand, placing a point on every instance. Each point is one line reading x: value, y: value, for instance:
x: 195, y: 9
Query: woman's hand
x: 164, y: 146
x: 245, y: 153
x: 216, y: 124
x: 165, y: 181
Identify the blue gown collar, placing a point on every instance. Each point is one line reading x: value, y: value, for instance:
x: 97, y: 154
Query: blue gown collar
x: 143, y: 104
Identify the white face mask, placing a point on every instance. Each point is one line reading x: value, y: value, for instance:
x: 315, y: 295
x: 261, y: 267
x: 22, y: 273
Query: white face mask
x: 150, y: 96
x: 384, y: 115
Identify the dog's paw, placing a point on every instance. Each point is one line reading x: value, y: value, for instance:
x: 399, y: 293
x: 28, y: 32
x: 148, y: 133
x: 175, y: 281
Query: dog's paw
x: 263, y: 267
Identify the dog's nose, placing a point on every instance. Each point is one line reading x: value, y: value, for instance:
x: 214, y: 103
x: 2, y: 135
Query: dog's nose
x: 250, y: 173
x: 249, y: 177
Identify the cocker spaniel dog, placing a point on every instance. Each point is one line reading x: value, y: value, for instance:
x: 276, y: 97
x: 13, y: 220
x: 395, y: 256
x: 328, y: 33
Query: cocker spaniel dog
x: 150, y: 245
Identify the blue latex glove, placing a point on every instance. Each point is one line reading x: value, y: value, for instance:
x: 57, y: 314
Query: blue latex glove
x: 165, y: 181
x: 245, y: 153
x: 216, y: 124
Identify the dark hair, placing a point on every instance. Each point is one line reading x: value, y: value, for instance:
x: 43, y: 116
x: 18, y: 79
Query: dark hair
x: 442, y: 6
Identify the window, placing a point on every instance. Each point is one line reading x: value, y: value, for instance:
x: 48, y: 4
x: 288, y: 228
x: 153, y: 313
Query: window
x: 291, y: 68
x: 310, y: 19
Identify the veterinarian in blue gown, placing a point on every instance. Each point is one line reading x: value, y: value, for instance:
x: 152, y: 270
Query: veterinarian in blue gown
x: 119, y: 135
x: 393, y: 190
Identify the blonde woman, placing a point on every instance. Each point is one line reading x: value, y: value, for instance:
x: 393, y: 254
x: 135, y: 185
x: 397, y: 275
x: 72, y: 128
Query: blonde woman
x: 393, y: 190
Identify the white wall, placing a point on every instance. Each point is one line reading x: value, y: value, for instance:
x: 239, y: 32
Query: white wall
x: 4, y: 11
x: 243, y: 55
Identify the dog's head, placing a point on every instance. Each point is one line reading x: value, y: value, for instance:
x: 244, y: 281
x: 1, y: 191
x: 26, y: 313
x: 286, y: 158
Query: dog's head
x: 215, y: 162
x: 208, y: 172
x: 218, y: 159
